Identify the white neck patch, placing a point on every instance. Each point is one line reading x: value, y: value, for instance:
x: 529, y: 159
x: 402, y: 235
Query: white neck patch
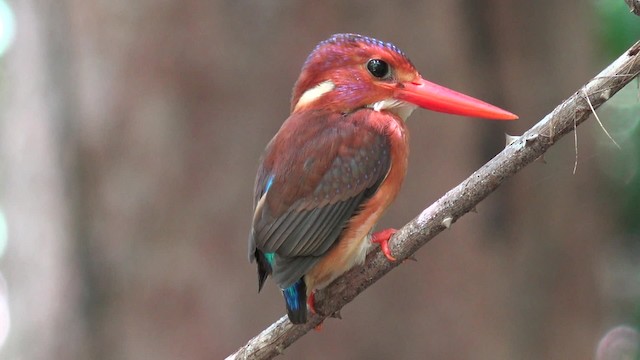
x: 315, y: 93
x: 398, y: 107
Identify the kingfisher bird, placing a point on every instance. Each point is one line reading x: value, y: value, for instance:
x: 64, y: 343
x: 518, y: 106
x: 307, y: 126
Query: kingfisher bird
x: 337, y: 163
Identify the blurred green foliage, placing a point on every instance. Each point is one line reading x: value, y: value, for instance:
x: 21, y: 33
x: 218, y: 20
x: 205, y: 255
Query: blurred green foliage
x: 618, y: 29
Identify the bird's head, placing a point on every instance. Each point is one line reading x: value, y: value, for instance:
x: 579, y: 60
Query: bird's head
x: 348, y: 71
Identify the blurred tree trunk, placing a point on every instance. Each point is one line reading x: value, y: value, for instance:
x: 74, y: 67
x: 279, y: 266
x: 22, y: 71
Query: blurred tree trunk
x: 45, y: 287
x: 539, y: 52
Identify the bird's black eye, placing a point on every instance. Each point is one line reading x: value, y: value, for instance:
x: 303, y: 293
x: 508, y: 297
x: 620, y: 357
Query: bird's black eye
x: 378, y: 68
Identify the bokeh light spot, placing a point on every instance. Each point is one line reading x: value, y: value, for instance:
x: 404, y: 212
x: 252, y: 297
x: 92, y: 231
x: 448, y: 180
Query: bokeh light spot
x: 7, y: 27
x: 4, y: 233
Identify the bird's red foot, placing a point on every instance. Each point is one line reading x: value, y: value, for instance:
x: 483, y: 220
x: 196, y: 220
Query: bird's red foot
x: 311, y: 304
x: 382, y: 238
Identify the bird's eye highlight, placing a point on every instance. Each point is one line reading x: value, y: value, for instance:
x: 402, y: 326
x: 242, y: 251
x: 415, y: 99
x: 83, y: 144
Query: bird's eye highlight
x: 378, y: 68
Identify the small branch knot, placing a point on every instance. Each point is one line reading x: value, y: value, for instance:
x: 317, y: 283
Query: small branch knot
x: 634, y: 6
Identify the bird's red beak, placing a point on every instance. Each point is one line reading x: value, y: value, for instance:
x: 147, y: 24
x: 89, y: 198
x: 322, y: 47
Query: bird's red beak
x: 438, y: 98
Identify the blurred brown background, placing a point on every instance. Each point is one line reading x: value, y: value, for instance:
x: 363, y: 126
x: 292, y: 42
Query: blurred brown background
x: 130, y: 137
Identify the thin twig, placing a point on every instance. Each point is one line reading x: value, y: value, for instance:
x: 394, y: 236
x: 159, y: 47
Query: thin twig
x: 455, y: 203
x: 600, y: 122
x: 575, y: 144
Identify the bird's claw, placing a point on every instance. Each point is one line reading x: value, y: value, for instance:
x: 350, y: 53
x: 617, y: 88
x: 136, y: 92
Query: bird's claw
x: 382, y: 238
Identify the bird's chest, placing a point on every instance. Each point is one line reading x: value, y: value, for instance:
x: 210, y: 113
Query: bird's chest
x: 351, y: 249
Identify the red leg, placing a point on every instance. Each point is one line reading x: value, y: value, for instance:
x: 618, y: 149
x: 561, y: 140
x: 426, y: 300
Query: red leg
x: 311, y: 302
x: 382, y: 238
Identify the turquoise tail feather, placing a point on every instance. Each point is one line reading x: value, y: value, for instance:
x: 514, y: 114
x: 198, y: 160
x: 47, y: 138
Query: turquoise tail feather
x: 295, y: 297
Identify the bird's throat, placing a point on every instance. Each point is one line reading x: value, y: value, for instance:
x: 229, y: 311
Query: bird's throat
x: 401, y: 108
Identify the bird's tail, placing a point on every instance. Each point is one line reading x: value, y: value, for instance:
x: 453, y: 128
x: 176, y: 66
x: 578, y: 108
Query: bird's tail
x: 295, y: 297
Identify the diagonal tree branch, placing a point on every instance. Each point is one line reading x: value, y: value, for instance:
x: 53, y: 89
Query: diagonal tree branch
x: 455, y: 203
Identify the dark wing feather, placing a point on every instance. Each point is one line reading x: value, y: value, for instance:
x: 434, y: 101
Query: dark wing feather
x: 315, y: 174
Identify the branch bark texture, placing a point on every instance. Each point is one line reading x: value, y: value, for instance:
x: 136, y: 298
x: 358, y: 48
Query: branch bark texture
x: 455, y: 203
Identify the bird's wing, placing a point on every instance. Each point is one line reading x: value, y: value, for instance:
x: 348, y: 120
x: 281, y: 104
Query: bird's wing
x: 314, y: 176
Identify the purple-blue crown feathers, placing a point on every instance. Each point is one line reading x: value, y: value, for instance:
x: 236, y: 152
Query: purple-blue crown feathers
x: 344, y: 38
